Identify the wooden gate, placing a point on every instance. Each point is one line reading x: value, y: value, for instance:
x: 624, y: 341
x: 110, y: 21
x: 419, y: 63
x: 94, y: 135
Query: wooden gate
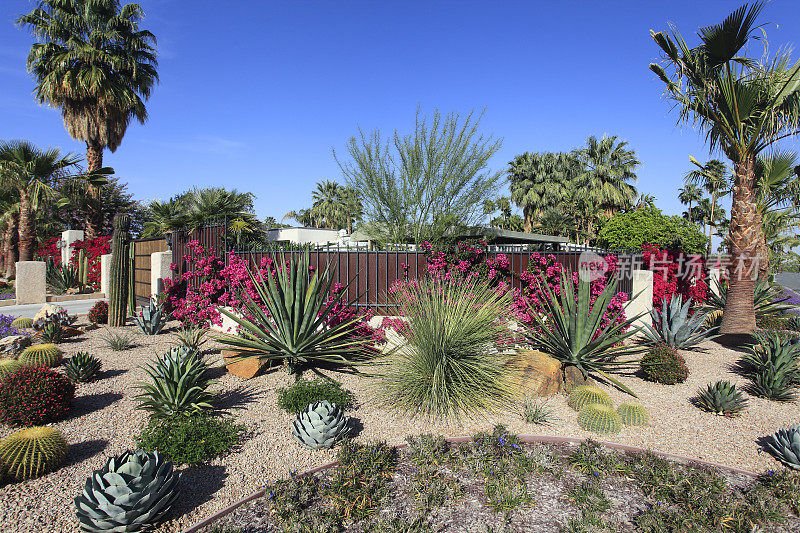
x: 142, y: 248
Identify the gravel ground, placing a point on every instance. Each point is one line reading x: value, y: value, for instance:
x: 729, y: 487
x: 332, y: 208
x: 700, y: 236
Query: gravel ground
x: 104, y: 422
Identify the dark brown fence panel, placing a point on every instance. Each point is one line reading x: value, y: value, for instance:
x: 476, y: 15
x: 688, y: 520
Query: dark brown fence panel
x: 142, y: 248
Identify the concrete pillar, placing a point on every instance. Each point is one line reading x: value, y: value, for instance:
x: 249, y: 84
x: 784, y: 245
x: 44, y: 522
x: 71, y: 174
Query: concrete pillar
x: 714, y: 275
x: 105, y: 274
x: 69, y: 237
x: 159, y: 271
x: 31, y: 284
x: 641, y: 302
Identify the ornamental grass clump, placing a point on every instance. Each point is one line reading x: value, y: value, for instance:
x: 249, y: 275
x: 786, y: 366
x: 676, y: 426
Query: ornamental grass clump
x: 572, y: 330
x: 287, y: 318
x: 35, y: 395
x: 451, y: 365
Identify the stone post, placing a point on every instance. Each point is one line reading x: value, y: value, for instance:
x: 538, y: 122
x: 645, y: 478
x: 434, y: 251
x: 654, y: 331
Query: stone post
x: 69, y: 237
x: 31, y: 284
x: 714, y: 276
x: 105, y: 274
x: 159, y: 271
x: 641, y: 302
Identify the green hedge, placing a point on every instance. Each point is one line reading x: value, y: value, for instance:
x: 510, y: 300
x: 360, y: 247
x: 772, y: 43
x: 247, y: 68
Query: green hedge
x: 651, y: 226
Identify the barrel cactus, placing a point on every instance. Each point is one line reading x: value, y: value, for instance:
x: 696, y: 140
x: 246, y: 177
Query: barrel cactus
x: 31, y: 452
x: 41, y: 354
x: 320, y: 425
x: 151, y: 319
x: 82, y: 367
x: 599, y: 418
x: 22, y: 322
x: 586, y: 394
x: 133, y: 491
x: 633, y: 414
x: 8, y: 367
x: 784, y: 445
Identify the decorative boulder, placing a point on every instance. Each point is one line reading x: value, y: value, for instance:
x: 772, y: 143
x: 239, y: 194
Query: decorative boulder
x: 14, y: 344
x: 573, y: 377
x: 46, y: 310
x: 539, y: 374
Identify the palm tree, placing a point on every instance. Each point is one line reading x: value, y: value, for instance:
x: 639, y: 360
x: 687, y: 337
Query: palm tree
x: 33, y: 173
x: 352, y: 206
x: 608, y: 168
x: 93, y: 63
x: 744, y: 106
x: 9, y: 221
x: 645, y: 201
x: 164, y: 217
x: 539, y: 181
x: 689, y: 195
x: 714, y: 178
x: 304, y: 217
x: 555, y: 221
x: 327, y: 203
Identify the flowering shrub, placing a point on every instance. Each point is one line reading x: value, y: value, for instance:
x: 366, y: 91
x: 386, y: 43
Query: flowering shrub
x: 675, y: 273
x: 470, y: 261
x: 193, y: 297
x: 98, y: 314
x: 530, y: 298
x: 34, y: 395
x: 48, y: 250
x: 5, y: 327
x: 93, y: 249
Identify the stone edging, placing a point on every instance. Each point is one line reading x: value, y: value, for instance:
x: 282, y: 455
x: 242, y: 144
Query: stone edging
x: 526, y: 439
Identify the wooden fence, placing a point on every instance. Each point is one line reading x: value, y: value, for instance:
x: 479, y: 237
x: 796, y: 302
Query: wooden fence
x: 142, y: 248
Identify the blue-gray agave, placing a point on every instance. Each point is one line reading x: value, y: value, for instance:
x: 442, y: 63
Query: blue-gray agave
x: 784, y: 445
x: 672, y: 325
x: 131, y: 492
x: 320, y: 425
x: 151, y: 319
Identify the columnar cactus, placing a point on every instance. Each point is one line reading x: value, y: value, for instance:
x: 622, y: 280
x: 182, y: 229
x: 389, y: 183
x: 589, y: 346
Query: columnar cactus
x: 83, y: 268
x: 31, y: 452
x: 599, y: 418
x: 131, y: 280
x: 586, y: 394
x: 120, y: 272
x: 633, y: 414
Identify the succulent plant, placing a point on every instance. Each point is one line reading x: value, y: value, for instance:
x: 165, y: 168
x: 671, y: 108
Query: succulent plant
x: 320, y: 425
x: 768, y: 298
x: 599, y: 418
x: 673, y: 326
x: 53, y: 315
x: 784, y: 445
x: 633, y: 414
x: 586, y: 394
x: 151, y: 319
x: 82, y: 367
x: 41, y: 354
x: 133, y: 491
x: 8, y: 367
x: 191, y: 337
x: 771, y: 363
x: 22, y: 322
x: 31, y: 452
x: 52, y: 332
x: 178, y: 385
x: 721, y: 398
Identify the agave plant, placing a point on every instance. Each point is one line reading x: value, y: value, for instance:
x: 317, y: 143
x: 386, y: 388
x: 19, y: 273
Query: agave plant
x: 178, y: 386
x: 721, y: 398
x: 572, y: 331
x: 673, y: 326
x: 52, y: 332
x: 768, y: 298
x: 772, y: 365
x: 784, y: 445
x: 60, y: 278
x: 320, y: 425
x: 151, y: 319
x: 292, y: 327
x: 133, y: 491
x: 82, y: 367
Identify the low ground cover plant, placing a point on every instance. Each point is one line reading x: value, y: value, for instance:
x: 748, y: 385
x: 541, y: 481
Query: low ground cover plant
x: 35, y: 395
x: 191, y: 440
x: 300, y: 394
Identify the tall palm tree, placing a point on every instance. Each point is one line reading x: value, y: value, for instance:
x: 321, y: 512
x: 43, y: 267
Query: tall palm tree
x: 93, y: 63
x: 539, y: 181
x: 645, y: 201
x: 554, y: 221
x: 352, y: 206
x: 744, y: 106
x: 608, y: 173
x: 715, y: 179
x: 33, y: 173
x: 689, y: 195
x: 327, y: 203
x: 164, y: 217
x: 9, y: 222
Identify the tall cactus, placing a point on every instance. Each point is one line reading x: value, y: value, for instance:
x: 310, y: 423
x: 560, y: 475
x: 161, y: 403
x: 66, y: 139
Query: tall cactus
x: 120, y: 271
x: 131, y: 279
x: 83, y: 268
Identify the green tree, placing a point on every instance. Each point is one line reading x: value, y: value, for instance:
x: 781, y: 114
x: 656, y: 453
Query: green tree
x: 93, y: 63
x: 714, y: 178
x: 327, y: 203
x: 554, y: 221
x: 540, y: 181
x: 608, y: 168
x: 421, y: 186
x: 634, y: 229
x: 688, y: 195
x: 744, y: 106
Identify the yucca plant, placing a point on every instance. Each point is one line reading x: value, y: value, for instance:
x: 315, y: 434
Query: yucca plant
x: 293, y: 326
x: 452, y: 365
x: 151, y: 319
x: 771, y: 363
x: 191, y: 337
x: 768, y: 298
x: 673, y: 326
x: 572, y: 332
x: 178, y: 386
x: 721, y: 398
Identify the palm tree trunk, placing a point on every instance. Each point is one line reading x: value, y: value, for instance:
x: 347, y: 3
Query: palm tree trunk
x: 710, y: 226
x: 528, y: 223
x: 10, y: 246
x: 27, y: 229
x: 94, y: 214
x: 746, y: 239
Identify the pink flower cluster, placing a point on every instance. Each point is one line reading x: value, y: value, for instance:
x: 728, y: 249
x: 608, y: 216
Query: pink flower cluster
x: 94, y: 249
x: 468, y: 261
x: 192, y: 298
x: 675, y: 273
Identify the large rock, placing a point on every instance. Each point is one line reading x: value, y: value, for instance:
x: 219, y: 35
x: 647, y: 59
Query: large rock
x: 539, y: 374
x: 47, y: 310
x: 14, y: 344
x: 573, y: 377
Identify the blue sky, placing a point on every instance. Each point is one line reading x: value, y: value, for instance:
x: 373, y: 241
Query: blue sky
x: 255, y: 95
